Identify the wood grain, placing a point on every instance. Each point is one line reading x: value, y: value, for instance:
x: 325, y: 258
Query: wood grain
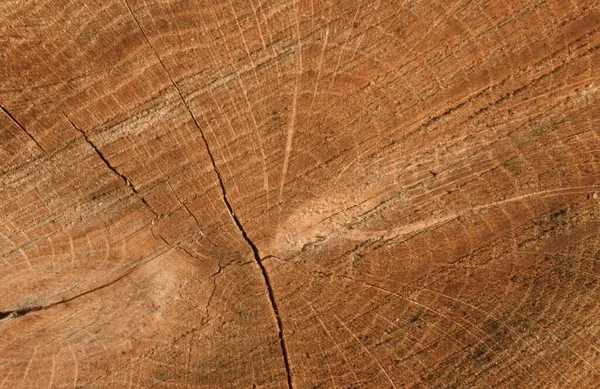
x: 304, y: 194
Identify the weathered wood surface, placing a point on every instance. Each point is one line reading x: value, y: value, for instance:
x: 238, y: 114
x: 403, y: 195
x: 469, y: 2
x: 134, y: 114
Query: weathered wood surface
x: 307, y: 193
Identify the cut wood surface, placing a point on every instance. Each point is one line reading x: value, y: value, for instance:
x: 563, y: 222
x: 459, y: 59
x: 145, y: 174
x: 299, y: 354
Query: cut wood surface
x: 302, y: 194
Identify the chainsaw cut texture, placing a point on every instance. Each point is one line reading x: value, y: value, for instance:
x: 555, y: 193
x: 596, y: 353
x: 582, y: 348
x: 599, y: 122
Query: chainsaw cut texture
x: 306, y: 194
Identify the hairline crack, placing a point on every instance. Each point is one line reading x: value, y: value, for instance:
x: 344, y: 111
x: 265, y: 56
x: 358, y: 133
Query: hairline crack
x: 26, y: 310
x: 111, y: 167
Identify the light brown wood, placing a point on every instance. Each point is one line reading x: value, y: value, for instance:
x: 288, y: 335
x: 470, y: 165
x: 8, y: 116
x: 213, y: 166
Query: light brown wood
x: 305, y: 194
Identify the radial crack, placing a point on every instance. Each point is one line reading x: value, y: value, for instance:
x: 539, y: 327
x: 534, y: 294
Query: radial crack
x: 26, y: 310
x: 255, y: 252
x: 11, y: 117
x: 258, y: 260
x: 110, y: 166
x: 16, y: 122
x: 235, y: 219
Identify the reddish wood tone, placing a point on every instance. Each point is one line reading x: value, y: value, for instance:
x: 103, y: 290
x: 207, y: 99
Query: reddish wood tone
x: 306, y: 194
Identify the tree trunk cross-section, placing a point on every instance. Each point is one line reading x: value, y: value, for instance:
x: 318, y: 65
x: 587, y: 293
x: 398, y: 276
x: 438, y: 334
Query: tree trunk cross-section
x: 299, y: 194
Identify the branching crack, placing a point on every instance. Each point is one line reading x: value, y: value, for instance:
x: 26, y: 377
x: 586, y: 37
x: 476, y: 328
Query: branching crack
x: 184, y: 205
x: 159, y: 236
x: 214, y: 277
x: 110, y: 166
x: 257, y: 259
x: 235, y: 219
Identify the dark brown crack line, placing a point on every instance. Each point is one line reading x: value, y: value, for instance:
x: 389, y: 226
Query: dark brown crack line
x: 16, y: 122
x: 257, y: 259
x: 256, y: 253
x: 11, y: 117
x: 25, y: 311
x: 111, y: 167
x: 236, y: 221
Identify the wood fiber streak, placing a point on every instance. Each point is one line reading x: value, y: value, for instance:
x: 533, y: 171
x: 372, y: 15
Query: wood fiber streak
x: 299, y: 194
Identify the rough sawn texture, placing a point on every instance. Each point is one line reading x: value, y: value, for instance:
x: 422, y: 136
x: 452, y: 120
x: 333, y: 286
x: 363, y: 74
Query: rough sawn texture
x: 306, y: 194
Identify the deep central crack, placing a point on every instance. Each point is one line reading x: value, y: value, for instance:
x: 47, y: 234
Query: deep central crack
x: 258, y: 260
x: 255, y: 252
